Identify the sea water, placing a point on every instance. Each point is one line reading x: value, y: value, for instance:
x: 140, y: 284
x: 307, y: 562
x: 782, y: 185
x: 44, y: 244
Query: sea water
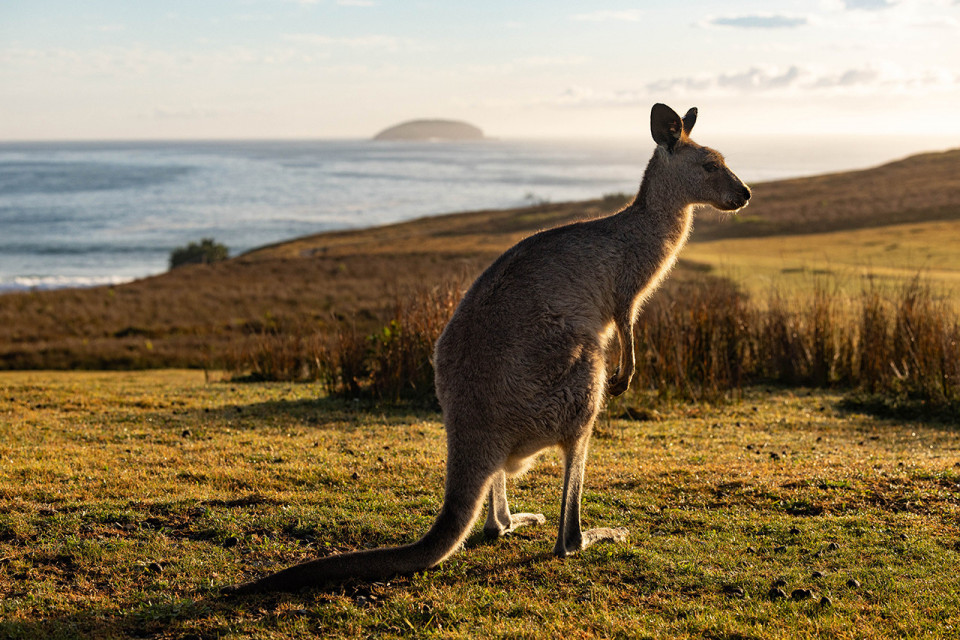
x: 78, y: 214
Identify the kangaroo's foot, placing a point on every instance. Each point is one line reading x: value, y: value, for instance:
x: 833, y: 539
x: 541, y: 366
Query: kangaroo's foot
x: 497, y: 529
x: 586, y: 538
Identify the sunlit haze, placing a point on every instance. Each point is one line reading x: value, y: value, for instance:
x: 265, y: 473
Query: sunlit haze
x: 103, y: 69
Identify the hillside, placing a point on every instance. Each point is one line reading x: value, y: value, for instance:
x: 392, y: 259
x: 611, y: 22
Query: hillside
x: 431, y: 130
x: 194, y: 315
x: 920, y: 188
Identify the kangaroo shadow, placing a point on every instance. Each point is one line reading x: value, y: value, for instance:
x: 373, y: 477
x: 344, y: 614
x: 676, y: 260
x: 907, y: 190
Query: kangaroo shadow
x: 324, y: 411
x: 213, y: 613
x: 168, y: 619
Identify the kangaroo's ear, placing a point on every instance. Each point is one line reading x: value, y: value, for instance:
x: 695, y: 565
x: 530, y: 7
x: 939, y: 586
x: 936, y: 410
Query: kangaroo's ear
x: 689, y: 120
x: 665, y: 125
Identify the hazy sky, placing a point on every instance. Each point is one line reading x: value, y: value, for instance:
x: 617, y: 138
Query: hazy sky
x: 99, y: 69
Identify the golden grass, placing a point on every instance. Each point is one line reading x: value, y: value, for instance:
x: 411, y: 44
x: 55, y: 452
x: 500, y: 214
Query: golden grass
x: 844, y: 261
x: 128, y: 499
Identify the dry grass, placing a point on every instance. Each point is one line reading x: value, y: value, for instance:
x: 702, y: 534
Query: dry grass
x: 700, y: 340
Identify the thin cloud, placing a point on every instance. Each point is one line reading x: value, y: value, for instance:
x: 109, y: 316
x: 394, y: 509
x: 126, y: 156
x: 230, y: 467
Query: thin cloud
x: 626, y: 15
x: 849, y: 78
x: 389, y: 43
x: 756, y: 79
x: 586, y: 97
x: 867, y: 5
x: 759, y: 22
x: 524, y: 65
x: 752, y: 80
x: 794, y: 81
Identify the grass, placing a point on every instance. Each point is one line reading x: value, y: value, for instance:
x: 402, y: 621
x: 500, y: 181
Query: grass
x: 127, y: 499
x: 846, y: 261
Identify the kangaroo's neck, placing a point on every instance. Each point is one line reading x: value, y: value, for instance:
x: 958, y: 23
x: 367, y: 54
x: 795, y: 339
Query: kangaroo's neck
x: 654, y: 228
x: 661, y: 215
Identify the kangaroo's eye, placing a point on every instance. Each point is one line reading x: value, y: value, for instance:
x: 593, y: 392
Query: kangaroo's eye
x: 710, y: 167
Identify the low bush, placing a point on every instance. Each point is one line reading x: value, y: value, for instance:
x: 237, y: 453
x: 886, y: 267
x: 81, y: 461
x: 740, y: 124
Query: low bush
x: 206, y: 252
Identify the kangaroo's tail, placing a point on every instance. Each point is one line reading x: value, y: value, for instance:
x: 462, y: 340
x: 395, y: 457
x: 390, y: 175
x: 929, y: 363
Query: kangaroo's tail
x: 461, y: 507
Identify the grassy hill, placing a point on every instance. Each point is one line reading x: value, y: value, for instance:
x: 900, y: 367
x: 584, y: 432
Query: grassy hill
x: 196, y: 316
x: 844, y: 261
x: 920, y: 188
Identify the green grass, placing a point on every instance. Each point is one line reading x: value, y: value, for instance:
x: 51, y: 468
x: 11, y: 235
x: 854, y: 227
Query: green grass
x: 127, y: 500
x: 845, y: 261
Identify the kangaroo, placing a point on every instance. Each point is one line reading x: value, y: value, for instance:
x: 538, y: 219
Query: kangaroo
x: 521, y: 366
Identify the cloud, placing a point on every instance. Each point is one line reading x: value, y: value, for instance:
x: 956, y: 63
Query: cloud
x: 586, y: 97
x: 937, y: 23
x: 356, y: 3
x: 527, y: 64
x: 849, y: 78
x: 756, y: 79
x: 626, y: 15
x: 752, y: 80
x: 759, y: 22
x: 867, y: 5
x: 389, y: 43
x: 792, y: 81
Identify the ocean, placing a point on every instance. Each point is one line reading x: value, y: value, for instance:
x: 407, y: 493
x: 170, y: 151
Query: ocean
x: 91, y: 213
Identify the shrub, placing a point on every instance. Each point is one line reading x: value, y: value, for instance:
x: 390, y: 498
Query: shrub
x: 207, y: 252
x: 395, y: 363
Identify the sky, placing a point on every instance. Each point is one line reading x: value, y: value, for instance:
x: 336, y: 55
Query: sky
x: 120, y: 69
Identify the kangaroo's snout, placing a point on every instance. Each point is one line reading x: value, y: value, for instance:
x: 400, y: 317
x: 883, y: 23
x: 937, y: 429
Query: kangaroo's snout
x: 737, y: 198
x: 744, y: 195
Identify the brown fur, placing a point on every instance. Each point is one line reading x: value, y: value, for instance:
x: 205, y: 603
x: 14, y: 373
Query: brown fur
x: 521, y: 365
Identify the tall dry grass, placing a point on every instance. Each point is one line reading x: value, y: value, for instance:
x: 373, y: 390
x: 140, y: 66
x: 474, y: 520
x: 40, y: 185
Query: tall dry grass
x: 705, y: 344
x: 392, y: 364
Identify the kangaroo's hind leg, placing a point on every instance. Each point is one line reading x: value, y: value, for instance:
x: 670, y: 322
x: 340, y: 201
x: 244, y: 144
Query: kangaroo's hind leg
x: 499, y: 519
x: 571, y: 538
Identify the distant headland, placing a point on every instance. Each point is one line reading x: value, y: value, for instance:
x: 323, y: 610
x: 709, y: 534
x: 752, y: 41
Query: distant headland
x: 431, y: 130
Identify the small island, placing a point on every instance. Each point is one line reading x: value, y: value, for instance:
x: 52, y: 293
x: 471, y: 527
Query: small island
x: 431, y: 130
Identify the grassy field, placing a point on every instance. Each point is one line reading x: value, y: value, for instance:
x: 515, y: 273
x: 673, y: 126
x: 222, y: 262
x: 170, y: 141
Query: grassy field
x: 128, y: 499
x: 844, y: 261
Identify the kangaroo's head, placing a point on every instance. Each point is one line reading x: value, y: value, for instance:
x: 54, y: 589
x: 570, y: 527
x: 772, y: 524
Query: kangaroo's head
x: 700, y: 173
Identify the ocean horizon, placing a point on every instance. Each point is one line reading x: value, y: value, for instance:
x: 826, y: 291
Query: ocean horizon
x: 93, y: 213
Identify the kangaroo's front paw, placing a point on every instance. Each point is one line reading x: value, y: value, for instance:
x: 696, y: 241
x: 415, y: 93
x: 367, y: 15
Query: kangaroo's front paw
x: 617, y: 385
